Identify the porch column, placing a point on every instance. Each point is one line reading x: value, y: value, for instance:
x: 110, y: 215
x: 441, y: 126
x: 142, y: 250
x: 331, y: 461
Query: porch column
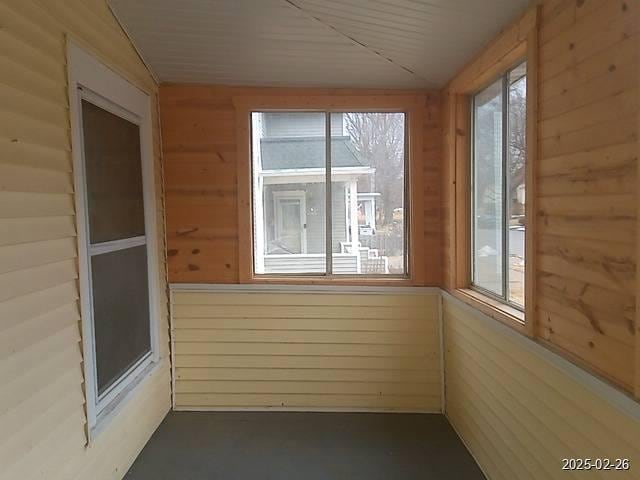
x: 353, y: 210
x: 258, y: 225
x: 258, y: 193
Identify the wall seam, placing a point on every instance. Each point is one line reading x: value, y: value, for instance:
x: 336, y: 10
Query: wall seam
x: 341, y: 289
x: 133, y: 44
x: 466, y: 445
x: 443, y: 383
x: 172, y: 352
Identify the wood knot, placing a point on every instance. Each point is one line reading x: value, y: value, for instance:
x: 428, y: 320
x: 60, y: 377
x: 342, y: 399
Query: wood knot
x: 591, y: 344
x: 172, y: 252
x: 227, y: 265
x: 193, y: 267
x: 195, y: 251
x: 572, y: 46
x: 14, y: 140
x: 624, y: 7
x: 579, y: 3
x: 612, y: 68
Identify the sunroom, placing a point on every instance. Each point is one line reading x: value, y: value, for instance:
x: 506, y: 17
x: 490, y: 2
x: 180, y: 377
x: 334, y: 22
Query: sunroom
x: 319, y: 239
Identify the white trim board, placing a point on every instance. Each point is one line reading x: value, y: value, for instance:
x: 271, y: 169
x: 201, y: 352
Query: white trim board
x: 602, y: 389
x: 443, y: 377
x: 172, y: 351
x: 343, y: 289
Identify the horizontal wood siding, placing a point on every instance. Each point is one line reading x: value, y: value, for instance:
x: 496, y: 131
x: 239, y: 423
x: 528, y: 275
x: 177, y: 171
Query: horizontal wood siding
x: 301, y: 125
x: 42, y: 411
x: 520, y: 414
x: 360, y: 351
x: 305, y: 264
x: 200, y: 153
x: 587, y: 182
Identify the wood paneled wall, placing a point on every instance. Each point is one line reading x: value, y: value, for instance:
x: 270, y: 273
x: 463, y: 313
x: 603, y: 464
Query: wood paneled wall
x: 316, y: 350
x: 201, y: 154
x: 586, y: 180
x: 42, y: 404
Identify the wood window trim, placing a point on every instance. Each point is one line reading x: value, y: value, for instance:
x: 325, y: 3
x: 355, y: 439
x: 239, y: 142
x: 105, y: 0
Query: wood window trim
x: 414, y: 108
x: 637, y: 313
x: 493, y: 308
x: 517, y: 43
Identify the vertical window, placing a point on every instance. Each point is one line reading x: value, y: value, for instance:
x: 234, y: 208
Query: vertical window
x: 116, y: 243
x: 498, y: 197
x: 289, y: 194
x: 329, y: 193
x: 113, y: 168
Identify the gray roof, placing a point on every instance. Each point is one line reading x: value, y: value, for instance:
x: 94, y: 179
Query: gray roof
x: 307, y: 152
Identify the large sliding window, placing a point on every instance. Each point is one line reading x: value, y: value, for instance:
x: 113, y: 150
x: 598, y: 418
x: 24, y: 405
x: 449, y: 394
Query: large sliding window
x: 329, y: 193
x: 498, y: 197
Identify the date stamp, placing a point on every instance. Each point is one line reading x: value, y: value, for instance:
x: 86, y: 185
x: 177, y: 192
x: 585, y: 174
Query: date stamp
x: 596, y: 464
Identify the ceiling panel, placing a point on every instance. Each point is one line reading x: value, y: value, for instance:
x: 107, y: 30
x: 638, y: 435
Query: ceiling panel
x: 324, y: 43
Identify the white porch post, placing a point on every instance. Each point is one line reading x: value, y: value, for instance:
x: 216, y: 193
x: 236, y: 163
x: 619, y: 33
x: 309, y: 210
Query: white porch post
x: 353, y: 210
x: 258, y: 194
x: 259, y: 225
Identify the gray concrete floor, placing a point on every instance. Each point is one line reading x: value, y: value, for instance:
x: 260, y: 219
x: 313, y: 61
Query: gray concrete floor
x: 303, y: 446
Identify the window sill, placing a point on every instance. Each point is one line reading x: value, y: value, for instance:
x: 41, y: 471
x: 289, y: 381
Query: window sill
x: 506, y: 314
x: 347, y: 280
x: 107, y: 415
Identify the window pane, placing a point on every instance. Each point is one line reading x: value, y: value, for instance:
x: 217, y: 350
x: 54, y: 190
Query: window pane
x: 487, y: 189
x: 516, y: 158
x: 113, y: 175
x: 368, y: 185
x: 288, y: 168
x: 120, y: 312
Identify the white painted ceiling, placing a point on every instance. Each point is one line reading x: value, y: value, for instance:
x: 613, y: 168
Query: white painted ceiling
x: 322, y: 43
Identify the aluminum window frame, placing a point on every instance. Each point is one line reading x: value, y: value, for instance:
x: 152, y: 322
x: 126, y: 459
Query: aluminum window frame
x: 328, y: 274
x: 504, y: 79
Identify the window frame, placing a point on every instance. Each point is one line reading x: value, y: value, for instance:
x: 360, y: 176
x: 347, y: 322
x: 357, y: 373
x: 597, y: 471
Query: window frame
x: 408, y: 206
x: 504, y: 83
x: 517, y: 43
x: 91, y: 80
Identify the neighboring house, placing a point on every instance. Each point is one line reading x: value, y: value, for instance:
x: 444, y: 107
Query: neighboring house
x: 289, y: 189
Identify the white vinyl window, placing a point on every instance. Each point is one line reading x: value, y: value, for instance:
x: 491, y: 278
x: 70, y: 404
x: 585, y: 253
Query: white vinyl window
x: 115, y: 208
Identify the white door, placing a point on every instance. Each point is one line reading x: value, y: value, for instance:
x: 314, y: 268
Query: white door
x: 290, y: 227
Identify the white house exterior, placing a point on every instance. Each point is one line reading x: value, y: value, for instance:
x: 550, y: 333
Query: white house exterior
x: 289, y: 196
